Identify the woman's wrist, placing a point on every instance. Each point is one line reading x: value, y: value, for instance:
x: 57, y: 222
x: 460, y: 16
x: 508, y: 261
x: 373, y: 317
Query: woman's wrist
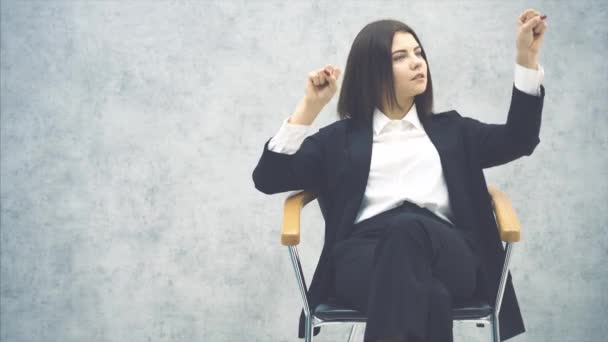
x: 527, y: 60
x: 305, y: 113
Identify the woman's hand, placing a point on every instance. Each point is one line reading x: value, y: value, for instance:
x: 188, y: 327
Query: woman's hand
x: 320, y: 88
x: 321, y: 85
x: 530, y: 33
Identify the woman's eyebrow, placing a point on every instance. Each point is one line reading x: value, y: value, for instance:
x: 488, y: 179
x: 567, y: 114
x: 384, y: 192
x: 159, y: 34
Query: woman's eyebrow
x: 404, y: 50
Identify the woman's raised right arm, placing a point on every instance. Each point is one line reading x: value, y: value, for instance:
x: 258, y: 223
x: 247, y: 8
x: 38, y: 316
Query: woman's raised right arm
x: 291, y: 160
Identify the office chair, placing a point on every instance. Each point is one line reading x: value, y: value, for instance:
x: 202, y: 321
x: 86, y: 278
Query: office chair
x: 331, y: 312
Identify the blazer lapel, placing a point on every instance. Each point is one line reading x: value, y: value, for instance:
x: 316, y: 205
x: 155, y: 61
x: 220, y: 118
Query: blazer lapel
x: 443, y: 135
x: 440, y: 135
x: 359, y: 154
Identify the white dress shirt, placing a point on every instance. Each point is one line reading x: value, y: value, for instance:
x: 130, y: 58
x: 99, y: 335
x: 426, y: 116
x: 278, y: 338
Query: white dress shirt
x: 405, y: 164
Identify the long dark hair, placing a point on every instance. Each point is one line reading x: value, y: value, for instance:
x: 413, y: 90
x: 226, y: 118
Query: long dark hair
x: 368, y: 75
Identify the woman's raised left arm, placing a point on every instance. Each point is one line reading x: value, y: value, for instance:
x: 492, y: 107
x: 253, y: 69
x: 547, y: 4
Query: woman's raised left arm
x: 497, y: 144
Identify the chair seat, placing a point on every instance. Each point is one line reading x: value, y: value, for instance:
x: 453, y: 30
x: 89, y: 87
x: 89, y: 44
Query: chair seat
x: 333, y: 311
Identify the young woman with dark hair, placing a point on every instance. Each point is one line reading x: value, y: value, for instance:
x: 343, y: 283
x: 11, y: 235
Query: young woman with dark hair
x: 409, y: 227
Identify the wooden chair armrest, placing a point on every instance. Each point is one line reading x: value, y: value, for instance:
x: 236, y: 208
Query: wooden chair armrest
x: 290, y: 233
x: 509, y: 228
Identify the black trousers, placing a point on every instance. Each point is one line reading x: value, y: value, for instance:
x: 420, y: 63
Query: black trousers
x: 405, y: 268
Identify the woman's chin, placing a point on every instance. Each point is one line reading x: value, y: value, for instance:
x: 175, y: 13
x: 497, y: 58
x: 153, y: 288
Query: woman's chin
x: 421, y: 89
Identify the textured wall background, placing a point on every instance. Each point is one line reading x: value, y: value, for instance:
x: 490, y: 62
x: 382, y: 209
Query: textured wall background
x: 130, y: 130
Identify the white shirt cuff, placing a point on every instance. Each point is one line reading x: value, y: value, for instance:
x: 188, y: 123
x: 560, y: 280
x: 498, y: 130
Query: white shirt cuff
x: 529, y: 80
x: 289, y: 138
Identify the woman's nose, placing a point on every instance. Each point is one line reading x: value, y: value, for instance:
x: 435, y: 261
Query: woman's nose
x: 416, y: 64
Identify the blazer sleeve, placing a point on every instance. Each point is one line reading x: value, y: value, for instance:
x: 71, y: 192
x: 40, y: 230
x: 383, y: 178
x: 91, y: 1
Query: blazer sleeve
x: 303, y: 170
x: 497, y: 144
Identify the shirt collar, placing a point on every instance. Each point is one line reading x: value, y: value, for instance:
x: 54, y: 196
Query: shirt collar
x: 381, y: 120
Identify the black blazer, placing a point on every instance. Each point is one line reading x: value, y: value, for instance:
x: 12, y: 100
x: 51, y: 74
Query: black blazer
x: 335, y: 163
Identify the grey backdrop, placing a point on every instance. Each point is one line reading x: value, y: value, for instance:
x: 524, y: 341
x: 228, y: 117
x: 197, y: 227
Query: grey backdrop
x: 130, y: 130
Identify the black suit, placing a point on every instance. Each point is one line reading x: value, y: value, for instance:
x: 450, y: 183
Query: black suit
x: 335, y: 163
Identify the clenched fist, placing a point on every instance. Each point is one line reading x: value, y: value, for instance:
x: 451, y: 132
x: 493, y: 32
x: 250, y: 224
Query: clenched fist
x: 531, y: 27
x: 320, y: 88
x: 321, y: 85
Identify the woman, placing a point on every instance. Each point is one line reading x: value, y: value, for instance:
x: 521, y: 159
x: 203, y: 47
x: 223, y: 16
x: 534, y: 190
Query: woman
x: 408, y: 230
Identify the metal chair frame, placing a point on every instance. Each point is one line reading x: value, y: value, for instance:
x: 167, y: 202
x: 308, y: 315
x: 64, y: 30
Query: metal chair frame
x: 509, y: 231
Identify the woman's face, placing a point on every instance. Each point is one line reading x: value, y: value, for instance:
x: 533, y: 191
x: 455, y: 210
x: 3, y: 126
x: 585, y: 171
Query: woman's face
x: 407, y: 63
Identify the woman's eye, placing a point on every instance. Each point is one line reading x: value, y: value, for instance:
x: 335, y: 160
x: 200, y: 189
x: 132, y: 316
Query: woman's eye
x: 419, y: 53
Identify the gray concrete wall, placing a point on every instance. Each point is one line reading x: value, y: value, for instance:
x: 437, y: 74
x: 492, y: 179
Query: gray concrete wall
x: 130, y: 129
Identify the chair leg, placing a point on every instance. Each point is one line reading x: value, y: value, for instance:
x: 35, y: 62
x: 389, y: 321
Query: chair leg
x: 495, y: 329
x: 353, y: 333
x: 309, y: 329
